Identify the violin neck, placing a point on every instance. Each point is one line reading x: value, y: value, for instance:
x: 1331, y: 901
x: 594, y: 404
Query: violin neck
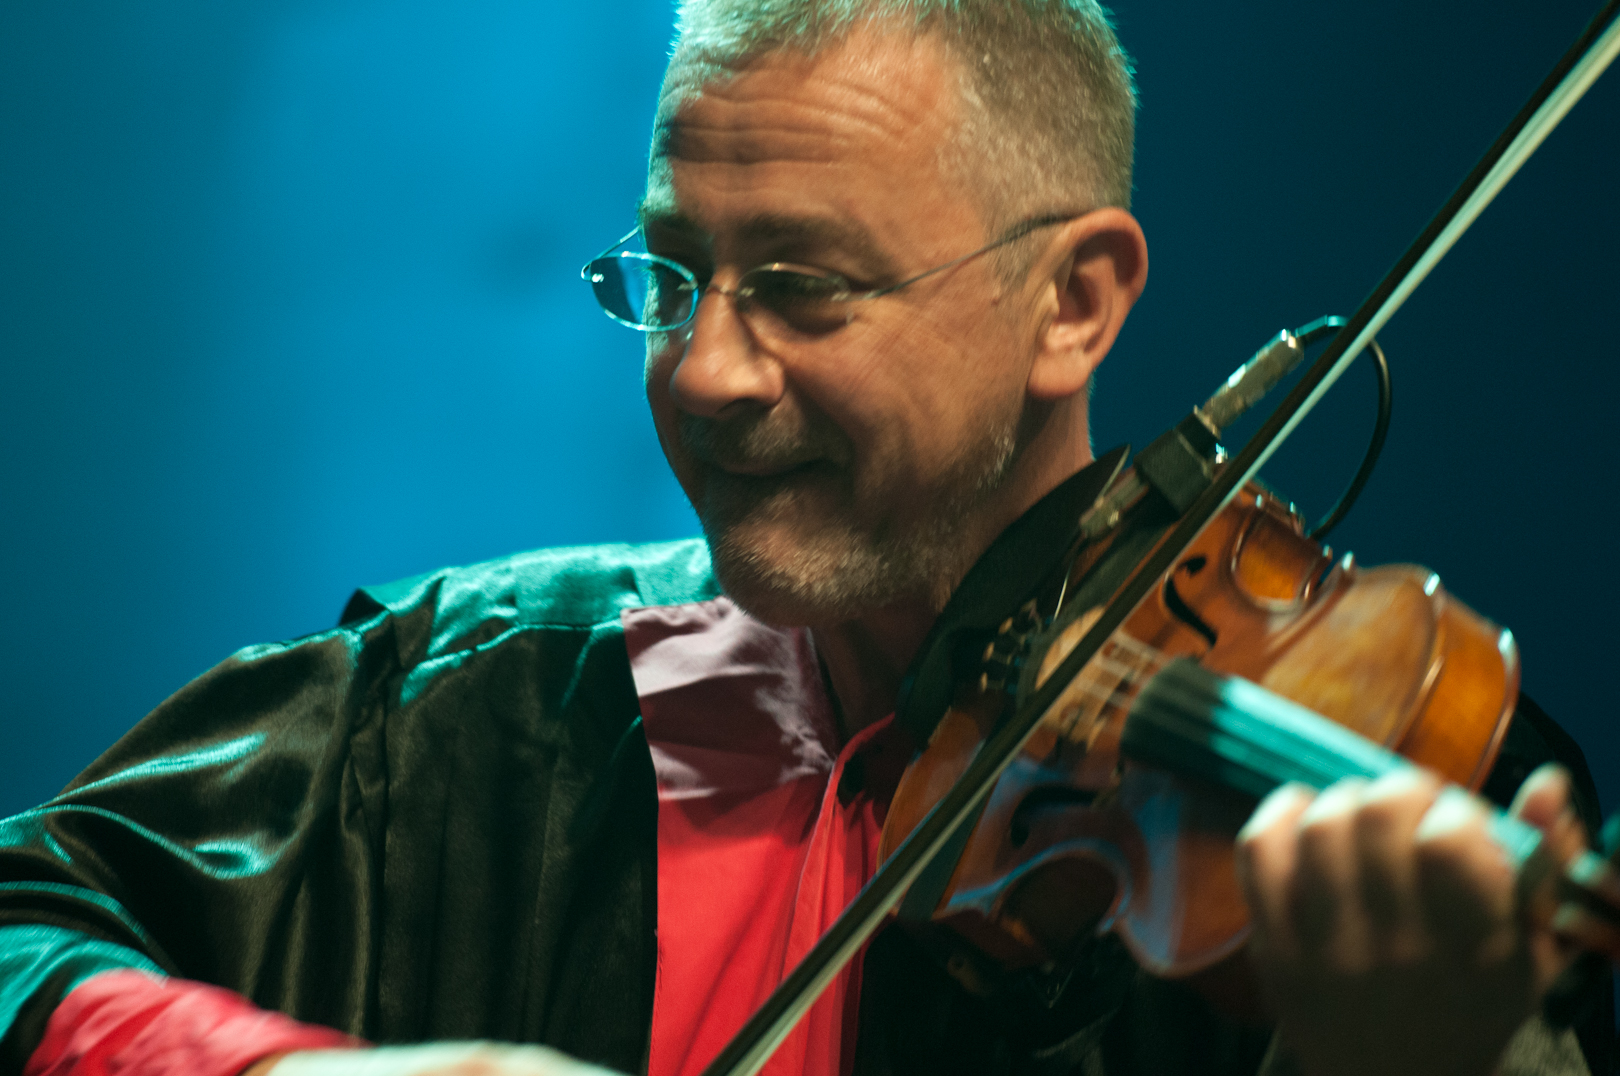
x: 1233, y: 733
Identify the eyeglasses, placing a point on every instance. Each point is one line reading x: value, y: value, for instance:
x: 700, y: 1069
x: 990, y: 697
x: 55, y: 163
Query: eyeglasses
x: 651, y: 293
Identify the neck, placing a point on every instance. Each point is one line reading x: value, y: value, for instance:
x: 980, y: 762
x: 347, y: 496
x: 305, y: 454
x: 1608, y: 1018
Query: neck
x: 867, y: 657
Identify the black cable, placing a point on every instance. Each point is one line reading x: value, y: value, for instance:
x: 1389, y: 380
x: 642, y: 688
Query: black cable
x: 1336, y: 514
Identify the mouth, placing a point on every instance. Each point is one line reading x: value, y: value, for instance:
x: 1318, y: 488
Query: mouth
x: 766, y: 468
x: 753, y: 452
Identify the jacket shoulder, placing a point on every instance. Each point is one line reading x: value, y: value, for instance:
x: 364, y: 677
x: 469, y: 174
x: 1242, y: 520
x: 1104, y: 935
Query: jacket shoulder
x: 581, y: 587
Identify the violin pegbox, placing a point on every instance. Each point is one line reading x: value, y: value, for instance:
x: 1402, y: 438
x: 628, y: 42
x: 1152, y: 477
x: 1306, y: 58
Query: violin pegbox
x: 1004, y: 654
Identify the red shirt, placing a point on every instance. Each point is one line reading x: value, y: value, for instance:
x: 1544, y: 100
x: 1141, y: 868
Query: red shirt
x: 762, y: 839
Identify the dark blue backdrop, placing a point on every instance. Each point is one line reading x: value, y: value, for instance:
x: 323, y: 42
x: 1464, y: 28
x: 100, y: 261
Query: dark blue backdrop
x: 289, y: 304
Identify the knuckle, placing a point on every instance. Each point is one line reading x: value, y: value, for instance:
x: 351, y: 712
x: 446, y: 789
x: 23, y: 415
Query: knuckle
x: 1452, y: 856
x: 1381, y: 818
x: 1263, y: 855
x: 1322, y: 831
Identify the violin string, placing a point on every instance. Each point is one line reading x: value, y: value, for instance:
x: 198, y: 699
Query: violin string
x: 1121, y: 641
x: 1119, y: 672
x: 1127, y: 642
x: 1105, y: 695
x: 1127, y: 666
x: 1155, y: 659
x: 1063, y: 591
x: 1126, y: 660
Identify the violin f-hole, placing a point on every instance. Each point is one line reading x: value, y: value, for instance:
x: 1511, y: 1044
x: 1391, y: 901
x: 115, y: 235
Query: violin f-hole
x: 1040, y: 799
x: 1178, y: 606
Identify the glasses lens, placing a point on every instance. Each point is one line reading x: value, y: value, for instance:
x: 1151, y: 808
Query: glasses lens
x: 807, y: 302
x: 642, y: 291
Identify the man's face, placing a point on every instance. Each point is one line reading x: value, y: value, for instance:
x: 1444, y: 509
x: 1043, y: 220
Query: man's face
x: 837, y: 469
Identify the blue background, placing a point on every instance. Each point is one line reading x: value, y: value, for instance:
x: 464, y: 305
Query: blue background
x: 289, y: 303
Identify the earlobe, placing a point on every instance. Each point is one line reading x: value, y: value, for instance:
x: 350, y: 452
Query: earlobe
x: 1098, y: 276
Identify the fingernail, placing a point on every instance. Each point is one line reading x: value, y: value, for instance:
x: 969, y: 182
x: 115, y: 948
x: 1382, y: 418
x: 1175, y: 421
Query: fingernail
x: 1547, y: 787
x: 1282, y: 800
x: 1547, y: 775
x: 1453, y: 810
x: 1395, y: 783
x: 1339, y: 798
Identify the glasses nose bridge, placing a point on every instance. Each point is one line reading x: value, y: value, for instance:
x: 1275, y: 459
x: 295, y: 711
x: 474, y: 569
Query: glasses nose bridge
x: 741, y: 295
x: 725, y: 357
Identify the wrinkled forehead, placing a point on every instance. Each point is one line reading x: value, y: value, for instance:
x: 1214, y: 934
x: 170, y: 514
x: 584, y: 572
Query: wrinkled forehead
x: 875, y: 101
x: 688, y: 74
x: 684, y: 82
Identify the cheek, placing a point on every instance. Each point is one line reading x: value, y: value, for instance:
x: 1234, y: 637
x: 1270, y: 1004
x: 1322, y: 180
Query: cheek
x: 929, y: 389
x: 663, y: 355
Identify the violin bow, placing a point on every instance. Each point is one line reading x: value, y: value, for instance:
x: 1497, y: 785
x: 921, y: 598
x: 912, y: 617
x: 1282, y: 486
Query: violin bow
x: 1576, y: 70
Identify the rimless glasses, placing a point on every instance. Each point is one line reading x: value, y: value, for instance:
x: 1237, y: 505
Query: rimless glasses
x: 651, y: 293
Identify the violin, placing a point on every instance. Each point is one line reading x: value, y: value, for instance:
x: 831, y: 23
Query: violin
x: 1259, y: 659
x: 1089, y: 766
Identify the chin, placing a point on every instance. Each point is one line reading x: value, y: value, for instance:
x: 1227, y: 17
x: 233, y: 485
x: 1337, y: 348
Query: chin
x: 796, y: 551
x: 823, y: 574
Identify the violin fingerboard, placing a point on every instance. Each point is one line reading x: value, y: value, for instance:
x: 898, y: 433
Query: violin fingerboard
x: 1235, y: 733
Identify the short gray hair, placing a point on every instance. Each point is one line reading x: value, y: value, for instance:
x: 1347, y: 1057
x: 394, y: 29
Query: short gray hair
x: 1049, y: 100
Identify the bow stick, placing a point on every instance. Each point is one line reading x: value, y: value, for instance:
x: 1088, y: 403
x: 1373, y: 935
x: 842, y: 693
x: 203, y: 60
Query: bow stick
x: 1574, y: 73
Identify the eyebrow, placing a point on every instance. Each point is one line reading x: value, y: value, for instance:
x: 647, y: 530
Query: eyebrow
x: 812, y: 234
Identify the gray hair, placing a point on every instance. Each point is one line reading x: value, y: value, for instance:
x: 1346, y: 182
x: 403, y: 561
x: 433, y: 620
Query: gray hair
x: 1049, y: 101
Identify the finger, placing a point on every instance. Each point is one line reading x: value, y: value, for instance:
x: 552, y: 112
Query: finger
x: 1325, y: 899
x: 1391, y: 809
x: 549, y: 1062
x: 1596, y: 879
x: 1583, y: 911
x: 1543, y: 796
x: 1544, y: 801
x: 436, y: 1059
x: 1265, y: 863
x: 1464, y: 879
x: 1587, y: 930
x: 509, y: 1059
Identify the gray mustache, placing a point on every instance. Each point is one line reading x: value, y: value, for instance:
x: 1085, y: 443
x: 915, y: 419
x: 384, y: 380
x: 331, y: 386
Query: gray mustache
x: 761, y: 441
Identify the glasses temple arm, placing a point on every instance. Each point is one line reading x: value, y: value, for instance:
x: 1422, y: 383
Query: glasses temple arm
x: 1018, y: 232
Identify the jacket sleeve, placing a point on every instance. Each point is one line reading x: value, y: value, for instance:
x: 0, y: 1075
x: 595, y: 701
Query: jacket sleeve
x: 435, y: 821
x: 225, y: 838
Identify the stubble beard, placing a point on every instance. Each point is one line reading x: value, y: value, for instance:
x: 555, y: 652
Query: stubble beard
x: 791, y: 562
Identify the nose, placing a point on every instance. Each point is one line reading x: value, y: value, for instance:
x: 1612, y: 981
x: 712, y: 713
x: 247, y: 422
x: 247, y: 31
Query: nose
x: 723, y: 365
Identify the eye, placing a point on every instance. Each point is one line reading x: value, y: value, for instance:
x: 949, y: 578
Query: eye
x: 790, y: 286
x: 668, y: 295
x: 805, y: 300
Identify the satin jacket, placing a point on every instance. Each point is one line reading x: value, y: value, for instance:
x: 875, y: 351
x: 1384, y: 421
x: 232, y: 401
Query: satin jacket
x: 437, y: 821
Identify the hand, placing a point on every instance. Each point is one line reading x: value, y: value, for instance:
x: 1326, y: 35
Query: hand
x: 430, y: 1059
x: 1387, y: 934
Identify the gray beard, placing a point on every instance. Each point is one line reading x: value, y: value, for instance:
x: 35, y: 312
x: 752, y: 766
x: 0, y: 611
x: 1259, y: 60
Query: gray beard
x: 839, y: 569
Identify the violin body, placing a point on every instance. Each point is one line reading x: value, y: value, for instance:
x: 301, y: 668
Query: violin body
x: 1074, y: 839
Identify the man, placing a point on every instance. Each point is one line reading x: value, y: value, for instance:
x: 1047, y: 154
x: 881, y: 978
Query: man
x: 889, y: 246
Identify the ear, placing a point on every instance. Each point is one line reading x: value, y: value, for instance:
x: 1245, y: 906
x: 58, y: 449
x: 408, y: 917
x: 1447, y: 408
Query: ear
x: 1099, y: 270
